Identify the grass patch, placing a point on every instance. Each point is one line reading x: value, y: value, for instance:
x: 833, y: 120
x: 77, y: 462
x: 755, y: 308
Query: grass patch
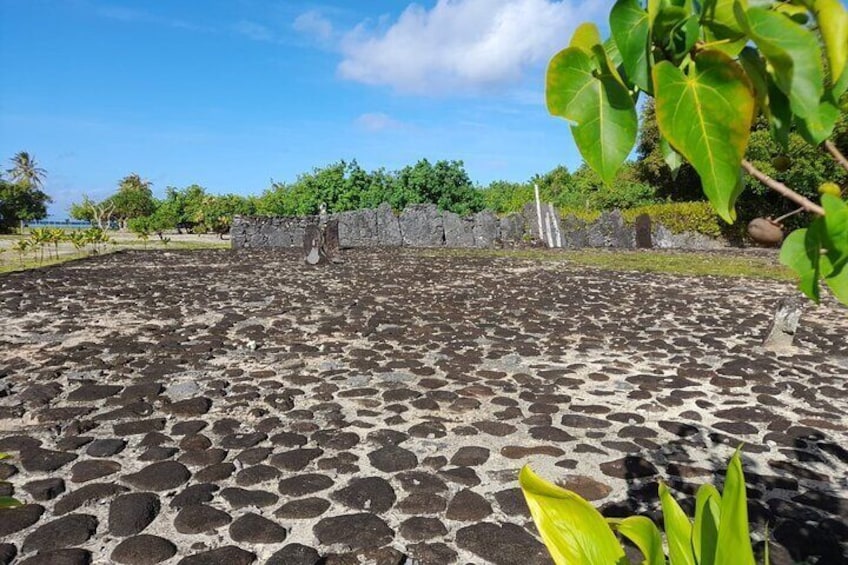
x: 10, y: 261
x: 697, y: 264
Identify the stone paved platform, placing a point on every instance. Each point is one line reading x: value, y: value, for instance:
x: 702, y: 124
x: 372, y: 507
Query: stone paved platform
x: 221, y: 407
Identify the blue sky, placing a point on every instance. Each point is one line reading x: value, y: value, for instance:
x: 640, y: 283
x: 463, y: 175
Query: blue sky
x: 230, y: 94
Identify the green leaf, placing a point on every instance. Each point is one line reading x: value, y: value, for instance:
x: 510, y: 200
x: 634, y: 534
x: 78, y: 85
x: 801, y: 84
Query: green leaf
x: 794, y: 54
x: 800, y: 252
x: 683, y: 37
x: 631, y: 30
x: 798, y: 14
x: 645, y: 535
x: 832, y: 18
x: 819, y: 126
x: 9, y: 502
x: 668, y: 18
x: 600, y: 106
x: 836, y: 224
x: 671, y: 157
x: 706, y: 117
x: 780, y: 118
x: 755, y: 67
x: 837, y: 281
x: 4, y: 456
x: 573, y: 531
x: 719, y: 24
x: 734, y: 541
x: 678, y: 529
x: 707, y: 521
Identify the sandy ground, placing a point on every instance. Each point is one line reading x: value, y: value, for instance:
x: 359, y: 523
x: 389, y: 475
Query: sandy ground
x: 378, y: 410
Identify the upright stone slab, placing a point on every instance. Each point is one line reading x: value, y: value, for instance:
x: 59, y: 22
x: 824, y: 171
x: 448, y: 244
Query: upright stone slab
x: 313, y: 250
x: 511, y: 229
x: 610, y: 230
x: 643, y: 232
x: 459, y: 232
x: 575, y: 233
x: 358, y: 228
x: 421, y: 226
x: 486, y: 229
x: 388, y: 226
x: 331, y: 237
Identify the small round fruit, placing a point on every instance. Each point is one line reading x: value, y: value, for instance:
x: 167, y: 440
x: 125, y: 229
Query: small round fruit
x: 781, y: 163
x: 830, y: 188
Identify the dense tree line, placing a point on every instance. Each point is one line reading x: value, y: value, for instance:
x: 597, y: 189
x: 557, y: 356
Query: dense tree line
x: 345, y: 185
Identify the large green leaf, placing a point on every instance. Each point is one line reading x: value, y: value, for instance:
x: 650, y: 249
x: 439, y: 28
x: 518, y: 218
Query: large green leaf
x: 793, y: 53
x: 573, y: 531
x: 720, y: 25
x: 780, y: 115
x: 678, y: 529
x: 604, y: 114
x: 832, y: 18
x: 631, y: 31
x: 834, y: 263
x: 585, y: 37
x: 734, y: 541
x: 8, y: 502
x: 707, y: 522
x: 801, y: 253
x: 644, y: 534
x: 819, y: 126
x: 706, y: 117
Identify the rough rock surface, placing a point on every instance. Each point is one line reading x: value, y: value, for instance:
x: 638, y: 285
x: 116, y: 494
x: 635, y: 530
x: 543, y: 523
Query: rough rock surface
x: 397, y: 394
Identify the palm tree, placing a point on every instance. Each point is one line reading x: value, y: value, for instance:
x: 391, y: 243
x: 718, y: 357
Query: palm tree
x: 39, y: 238
x: 26, y: 170
x: 21, y: 247
x: 57, y: 236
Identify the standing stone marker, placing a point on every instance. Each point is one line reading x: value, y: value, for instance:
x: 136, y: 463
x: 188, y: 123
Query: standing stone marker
x: 643, y: 232
x: 782, y: 330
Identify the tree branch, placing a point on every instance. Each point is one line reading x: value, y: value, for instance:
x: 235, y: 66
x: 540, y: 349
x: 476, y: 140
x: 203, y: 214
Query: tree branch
x: 781, y: 188
x: 833, y: 150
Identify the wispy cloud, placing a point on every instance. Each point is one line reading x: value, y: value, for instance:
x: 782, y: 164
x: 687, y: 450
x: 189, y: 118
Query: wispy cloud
x: 254, y: 31
x: 377, y: 121
x: 314, y: 24
x: 461, y: 45
x: 131, y: 15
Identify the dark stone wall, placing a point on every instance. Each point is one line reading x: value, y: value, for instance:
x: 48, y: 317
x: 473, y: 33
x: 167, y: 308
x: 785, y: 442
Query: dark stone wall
x: 424, y: 225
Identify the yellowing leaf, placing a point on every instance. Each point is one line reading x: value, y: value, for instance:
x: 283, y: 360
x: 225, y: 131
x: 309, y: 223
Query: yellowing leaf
x: 678, y: 529
x: 585, y: 37
x: 573, y: 531
x: 832, y: 18
x: 706, y: 117
x: 645, y: 535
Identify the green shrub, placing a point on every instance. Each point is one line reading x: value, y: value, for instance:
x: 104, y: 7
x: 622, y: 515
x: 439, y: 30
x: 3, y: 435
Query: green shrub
x: 680, y: 217
x: 585, y: 214
x: 575, y: 532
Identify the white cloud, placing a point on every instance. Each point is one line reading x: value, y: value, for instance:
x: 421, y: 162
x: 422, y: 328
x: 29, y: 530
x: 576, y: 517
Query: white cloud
x: 313, y: 23
x: 377, y: 121
x: 462, y: 45
x: 254, y: 31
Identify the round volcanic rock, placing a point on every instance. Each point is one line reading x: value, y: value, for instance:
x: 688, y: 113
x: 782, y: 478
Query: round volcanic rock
x: 468, y: 506
x: 420, y: 528
x: 253, y: 528
x: 72, y: 556
x: 200, y: 518
x: 85, y: 471
x: 20, y: 518
x: 392, y: 458
x: 67, y: 531
x: 508, y: 544
x: 301, y: 485
x: 239, y: 497
x: 357, y: 531
x: 143, y: 550
x: 161, y: 476
x: 303, y: 508
x: 470, y: 456
x: 227, y: 555
x: 295, y: 554
x: 105, y: 447
x: 371, y: 493
x: 130, y: 513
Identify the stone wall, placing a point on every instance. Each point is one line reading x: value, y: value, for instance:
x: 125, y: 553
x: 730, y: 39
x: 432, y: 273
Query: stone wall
x: 424, y: 225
